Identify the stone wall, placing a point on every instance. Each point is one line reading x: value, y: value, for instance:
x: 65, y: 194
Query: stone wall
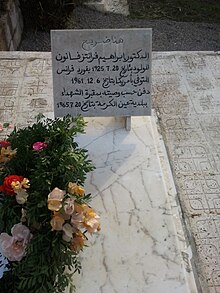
x: 11, y: 26
x: 115, y: 6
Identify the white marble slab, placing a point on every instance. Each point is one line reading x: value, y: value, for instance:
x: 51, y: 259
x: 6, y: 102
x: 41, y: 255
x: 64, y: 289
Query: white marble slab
x: 138, y: 248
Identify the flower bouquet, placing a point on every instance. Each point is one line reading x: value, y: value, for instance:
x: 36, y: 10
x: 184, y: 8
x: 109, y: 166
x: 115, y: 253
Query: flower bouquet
x: 44, y: 209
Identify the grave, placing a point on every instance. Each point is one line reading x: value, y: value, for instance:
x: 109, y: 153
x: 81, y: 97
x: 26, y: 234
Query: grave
x: 141, y: 247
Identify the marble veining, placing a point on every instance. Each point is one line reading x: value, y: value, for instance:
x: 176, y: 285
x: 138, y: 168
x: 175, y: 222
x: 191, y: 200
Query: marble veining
x: 137, y: 249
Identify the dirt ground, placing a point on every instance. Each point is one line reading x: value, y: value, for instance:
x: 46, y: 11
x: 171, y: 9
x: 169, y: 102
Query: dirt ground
x: 168, y: 35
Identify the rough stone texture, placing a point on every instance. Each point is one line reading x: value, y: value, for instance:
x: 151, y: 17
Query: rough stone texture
x: 115, y: 6
x: 25, y: 84
x: 11, y: 27
x: 186, y: 91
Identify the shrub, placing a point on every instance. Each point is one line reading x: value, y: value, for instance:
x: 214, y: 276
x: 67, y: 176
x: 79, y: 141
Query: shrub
x: 47, y: 14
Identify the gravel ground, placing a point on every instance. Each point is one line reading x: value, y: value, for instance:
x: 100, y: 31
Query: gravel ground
x: 167, y: 35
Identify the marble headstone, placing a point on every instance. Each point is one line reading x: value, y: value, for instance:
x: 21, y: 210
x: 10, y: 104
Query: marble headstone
x: 102, y: 72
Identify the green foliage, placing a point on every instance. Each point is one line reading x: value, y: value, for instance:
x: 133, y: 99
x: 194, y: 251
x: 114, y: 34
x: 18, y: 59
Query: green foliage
x: 48, y: 260
x: 47, y: 14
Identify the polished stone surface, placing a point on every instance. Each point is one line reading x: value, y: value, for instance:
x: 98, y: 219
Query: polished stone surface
x: 138, y: 248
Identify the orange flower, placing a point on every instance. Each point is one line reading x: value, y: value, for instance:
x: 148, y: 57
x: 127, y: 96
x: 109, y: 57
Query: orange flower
x: 87, y: 218
x: 19, y: 185
x: 81, y: 208
x: 57, y: 222
x: 54, y: 205
x: 55, y: 199
x: 25, y: 183
x: 91, y: 221
x: 78, y: 241
x: 6, y: 154
x: 73, y: 188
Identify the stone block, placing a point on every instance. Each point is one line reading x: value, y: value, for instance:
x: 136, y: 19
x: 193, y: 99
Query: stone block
x: 97, y: 5
x: 106, y: 72
x: 116, y: 6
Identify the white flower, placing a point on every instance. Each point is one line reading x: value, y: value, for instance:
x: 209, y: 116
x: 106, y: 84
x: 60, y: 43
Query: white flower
x: 21, y: 196
x: 68, y: 231
x: 13, y: 247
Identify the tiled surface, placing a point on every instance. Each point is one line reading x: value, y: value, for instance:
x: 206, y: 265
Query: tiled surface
x: 25, y: 86
x: 141, y: 247
x: 186, y: 88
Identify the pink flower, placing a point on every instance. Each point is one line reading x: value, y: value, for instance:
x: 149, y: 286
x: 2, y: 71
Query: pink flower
x: 39, y: 146
x: 13, y: 247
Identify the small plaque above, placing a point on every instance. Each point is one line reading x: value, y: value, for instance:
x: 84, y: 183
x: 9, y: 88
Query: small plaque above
x: 102, y: 72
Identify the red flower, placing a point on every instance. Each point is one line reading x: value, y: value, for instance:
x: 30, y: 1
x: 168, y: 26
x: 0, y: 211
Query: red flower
x: 4, y: 143
x: 6, y: 187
